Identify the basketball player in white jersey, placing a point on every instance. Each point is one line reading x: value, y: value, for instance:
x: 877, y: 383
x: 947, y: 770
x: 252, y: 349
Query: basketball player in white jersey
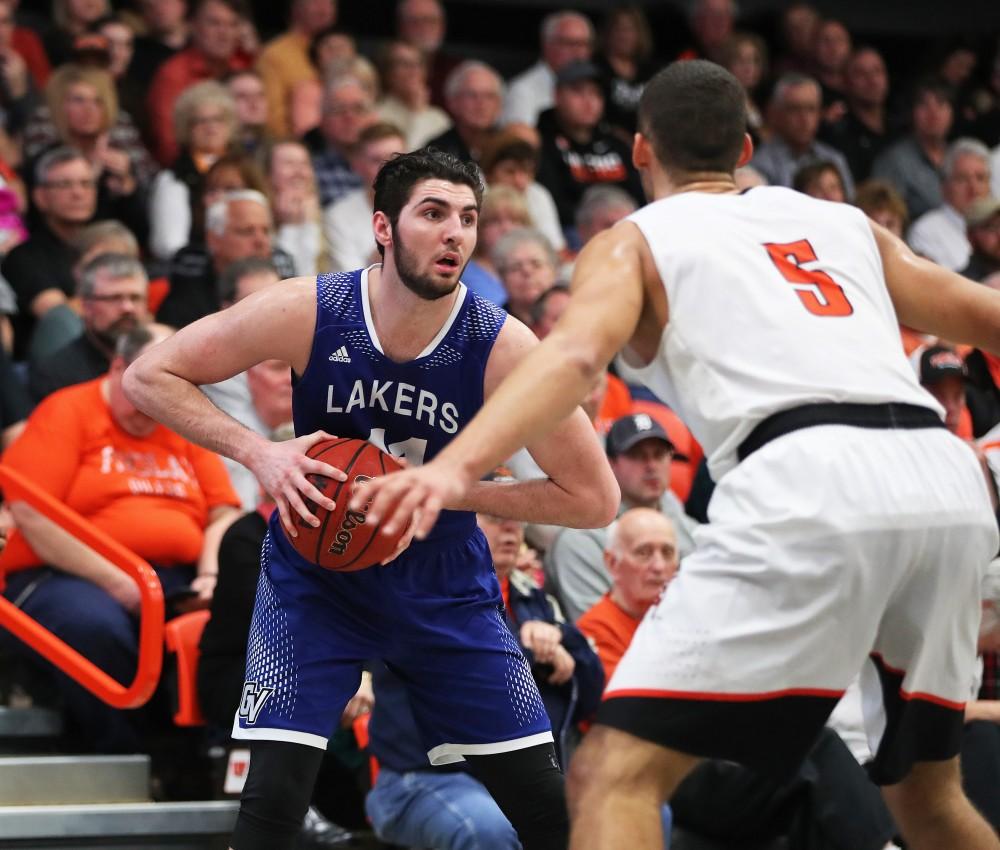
x: 848, y: 529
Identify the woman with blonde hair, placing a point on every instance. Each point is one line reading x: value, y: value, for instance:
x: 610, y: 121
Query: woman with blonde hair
x: 206, y: 127
x: 81, y: 111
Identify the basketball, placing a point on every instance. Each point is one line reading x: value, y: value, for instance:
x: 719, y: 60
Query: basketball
x: 343, y: 541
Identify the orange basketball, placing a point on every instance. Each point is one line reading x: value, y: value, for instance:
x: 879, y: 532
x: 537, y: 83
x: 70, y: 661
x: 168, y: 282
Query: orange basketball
x: 344, y: 541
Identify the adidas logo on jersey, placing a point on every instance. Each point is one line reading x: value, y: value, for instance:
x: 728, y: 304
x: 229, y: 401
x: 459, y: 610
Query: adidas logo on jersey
x: 340, y: 355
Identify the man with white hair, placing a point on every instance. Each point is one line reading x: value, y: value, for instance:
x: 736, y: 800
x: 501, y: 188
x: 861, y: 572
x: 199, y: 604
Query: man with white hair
x: 473, y: 94
x: 237, y: 226
x: 566, y: 37
x: 641, y: 557
x: 940, y: 234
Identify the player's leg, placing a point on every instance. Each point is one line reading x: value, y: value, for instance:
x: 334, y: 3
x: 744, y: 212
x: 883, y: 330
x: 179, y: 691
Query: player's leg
x: 922, y: 667
x: 933, y: 812
x: 529, y: 788
x: 309, y: 633
x: 618, y: 784
x: 278, y: 789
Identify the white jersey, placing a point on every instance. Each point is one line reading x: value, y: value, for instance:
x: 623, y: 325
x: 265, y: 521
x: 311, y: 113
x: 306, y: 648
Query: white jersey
x: 775, y: 300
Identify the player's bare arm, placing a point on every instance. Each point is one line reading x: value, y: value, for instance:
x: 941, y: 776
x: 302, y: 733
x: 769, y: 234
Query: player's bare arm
x: 579, y: 489
x: 938, y: 301
x: 544, y: 388
x: 275, y: 324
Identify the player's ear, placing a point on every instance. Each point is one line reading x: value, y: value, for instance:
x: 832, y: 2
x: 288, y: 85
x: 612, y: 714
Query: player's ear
x: 642, y: 151
x: 382, y: 228
x: 746, y: 154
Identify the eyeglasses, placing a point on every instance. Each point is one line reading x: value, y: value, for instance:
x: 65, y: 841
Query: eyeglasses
x: 560, y: 41
x: 123, y: 297
x: 524, y: 266
x: 63, y: 185
x: 349, y: 109
x: 199, y: 120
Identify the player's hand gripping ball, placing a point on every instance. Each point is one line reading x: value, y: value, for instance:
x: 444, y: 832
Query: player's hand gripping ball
x: 343, y: 541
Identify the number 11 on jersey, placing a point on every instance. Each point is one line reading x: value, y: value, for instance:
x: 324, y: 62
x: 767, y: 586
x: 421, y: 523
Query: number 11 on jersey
x: 818, y: 292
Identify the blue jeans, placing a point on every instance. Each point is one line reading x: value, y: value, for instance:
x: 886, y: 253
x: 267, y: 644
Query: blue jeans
x: 437, y: 809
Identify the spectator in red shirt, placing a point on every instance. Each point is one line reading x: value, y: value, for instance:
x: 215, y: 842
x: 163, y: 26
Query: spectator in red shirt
x: 214, y: 51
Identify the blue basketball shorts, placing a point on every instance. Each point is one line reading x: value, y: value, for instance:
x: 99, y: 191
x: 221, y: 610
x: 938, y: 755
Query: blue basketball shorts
x: 434, y: 616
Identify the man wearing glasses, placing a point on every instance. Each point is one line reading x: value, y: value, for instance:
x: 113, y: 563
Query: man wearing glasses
x: 113, y: 299
x: 41, y: 269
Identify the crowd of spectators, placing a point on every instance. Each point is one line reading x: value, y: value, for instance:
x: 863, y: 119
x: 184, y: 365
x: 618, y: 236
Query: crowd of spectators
x: 163, y: 159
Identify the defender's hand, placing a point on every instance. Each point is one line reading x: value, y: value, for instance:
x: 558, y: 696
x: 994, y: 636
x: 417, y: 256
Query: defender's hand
x: 411, y: 496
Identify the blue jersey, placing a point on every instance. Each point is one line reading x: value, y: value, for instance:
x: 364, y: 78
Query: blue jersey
x: 350, y: 388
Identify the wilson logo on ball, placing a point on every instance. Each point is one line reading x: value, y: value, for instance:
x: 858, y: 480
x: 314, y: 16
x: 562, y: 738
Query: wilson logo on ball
x: 352, y: 519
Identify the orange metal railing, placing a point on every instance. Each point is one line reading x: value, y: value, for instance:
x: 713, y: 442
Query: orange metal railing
x: 18, y: 488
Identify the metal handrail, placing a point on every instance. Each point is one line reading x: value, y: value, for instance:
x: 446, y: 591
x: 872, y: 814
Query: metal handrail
x: 17, y: 487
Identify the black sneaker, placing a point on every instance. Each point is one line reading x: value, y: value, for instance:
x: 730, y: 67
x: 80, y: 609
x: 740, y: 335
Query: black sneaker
x: 317, y: 832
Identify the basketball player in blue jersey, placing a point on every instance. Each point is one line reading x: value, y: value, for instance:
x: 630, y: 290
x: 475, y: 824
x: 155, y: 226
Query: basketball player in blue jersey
x: 402, y: 355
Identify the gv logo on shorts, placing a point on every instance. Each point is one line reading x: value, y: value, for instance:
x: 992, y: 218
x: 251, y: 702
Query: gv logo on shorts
x: 252, y: 701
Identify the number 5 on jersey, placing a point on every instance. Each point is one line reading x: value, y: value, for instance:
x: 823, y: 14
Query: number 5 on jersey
x: 817, y: 291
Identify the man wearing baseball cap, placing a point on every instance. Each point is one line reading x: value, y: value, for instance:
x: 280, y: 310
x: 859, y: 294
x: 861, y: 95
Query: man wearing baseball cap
x: 639, y: 452
x: 578, y: 151
x: 942, y: 373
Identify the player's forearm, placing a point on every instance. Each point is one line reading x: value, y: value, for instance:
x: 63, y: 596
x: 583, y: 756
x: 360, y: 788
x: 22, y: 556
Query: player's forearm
x: 184, y: 408
x: 540, y: 500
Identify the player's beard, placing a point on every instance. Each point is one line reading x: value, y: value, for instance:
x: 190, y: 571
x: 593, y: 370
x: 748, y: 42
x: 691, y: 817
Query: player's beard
x: 422, y: 285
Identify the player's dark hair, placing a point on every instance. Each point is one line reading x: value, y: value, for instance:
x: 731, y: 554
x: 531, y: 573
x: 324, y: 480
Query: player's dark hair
x: 397, y: 177
x: 694, y: 114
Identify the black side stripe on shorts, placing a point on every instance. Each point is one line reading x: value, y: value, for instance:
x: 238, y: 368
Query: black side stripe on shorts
x: 919, y: 727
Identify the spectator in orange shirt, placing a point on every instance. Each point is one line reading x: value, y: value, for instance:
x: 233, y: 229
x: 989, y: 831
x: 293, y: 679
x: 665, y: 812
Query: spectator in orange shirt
x: 214, y: 51
x: 160, y: 496
x: 642, y: 558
